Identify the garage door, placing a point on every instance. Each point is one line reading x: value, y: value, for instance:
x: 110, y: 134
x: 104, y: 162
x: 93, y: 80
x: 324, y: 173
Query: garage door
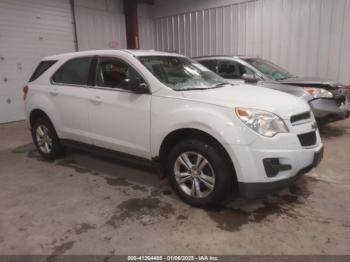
x: 29, y: 30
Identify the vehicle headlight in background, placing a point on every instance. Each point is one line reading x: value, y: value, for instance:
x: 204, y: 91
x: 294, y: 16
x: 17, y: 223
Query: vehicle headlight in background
x: 318, y: 92
x: 262, y: 122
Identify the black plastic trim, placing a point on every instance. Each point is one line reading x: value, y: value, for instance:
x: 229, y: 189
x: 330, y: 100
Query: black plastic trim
x: 135, y: 161
x: 273, y: 166
x: 299, y: 117
x: 308, y: 139
x: 254, y: 190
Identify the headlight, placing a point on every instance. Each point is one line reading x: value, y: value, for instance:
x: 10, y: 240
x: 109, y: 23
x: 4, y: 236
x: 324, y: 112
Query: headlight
x: 262, y: 122
x: 318, y: 92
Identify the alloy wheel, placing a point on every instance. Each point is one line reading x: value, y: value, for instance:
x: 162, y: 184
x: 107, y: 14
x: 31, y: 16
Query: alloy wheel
x: 194, y: 174
x: 43, y: 139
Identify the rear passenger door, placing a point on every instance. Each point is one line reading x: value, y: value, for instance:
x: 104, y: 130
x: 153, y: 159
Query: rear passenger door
x: 120, y: 118
x: 71, y: 96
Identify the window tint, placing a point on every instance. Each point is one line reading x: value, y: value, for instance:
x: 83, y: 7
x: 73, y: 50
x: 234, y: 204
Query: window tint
x: 41, y: 68
x: 75, y: 71
x: 232, y: 70
x: 112, y: 72
x: 210, y: 64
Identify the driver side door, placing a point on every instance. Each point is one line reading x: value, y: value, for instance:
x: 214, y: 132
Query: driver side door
x: 119, y: 118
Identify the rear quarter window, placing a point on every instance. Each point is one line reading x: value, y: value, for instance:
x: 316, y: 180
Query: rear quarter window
x: 41, y: 68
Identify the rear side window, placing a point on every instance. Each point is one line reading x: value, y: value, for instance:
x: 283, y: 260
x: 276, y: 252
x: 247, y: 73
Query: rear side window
x: 41, y: 68
x: 75, y: 71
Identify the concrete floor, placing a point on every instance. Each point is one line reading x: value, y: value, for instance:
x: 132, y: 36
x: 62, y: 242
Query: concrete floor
x: 83, y: 204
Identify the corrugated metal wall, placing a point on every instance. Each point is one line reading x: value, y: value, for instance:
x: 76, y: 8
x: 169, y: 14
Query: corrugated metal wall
x: 29, y: 30
x: 100, y: 24
x: 146, y: 33
x: 307, y: 37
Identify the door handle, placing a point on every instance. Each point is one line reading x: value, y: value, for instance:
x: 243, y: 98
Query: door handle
x: 96, y: 100
x: 54, y: 92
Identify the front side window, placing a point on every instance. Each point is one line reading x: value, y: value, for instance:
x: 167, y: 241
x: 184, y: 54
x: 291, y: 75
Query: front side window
x: 269, y: 69
x: 113, y: 72
x: 75, y: 72
x: 229, y: 69
x: 210, y: 64
x: 232, y: 70
x: 180, y: 73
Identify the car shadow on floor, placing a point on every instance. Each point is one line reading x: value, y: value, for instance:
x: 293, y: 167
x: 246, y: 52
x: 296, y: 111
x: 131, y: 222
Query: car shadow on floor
x: 115, y: 170
x: 333, y: 131
x: 124, y: 174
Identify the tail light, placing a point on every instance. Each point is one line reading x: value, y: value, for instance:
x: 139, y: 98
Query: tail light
x: 25, y: 92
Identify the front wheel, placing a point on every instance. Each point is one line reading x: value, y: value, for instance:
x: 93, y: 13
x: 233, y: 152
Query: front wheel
x: 198, y: 173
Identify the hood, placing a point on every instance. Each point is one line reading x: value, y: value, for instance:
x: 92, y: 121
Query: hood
x: 293, y: 90
x: 250, y: 96
x: 307, y: 81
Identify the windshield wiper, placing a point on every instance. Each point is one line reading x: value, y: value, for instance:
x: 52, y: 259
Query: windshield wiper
x: 194, y: 88
x: 204, y: 88
x: 285, y: 78
x: 220, y: 85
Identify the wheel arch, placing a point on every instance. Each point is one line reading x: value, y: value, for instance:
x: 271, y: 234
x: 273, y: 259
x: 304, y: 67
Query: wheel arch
x: 186, y: 133
x: 37, y: 113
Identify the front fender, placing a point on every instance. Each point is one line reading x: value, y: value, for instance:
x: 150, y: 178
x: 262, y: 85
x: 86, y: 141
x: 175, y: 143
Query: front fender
x: 217, y: 121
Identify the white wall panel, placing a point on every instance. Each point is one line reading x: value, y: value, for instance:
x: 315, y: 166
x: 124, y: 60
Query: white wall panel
x: 100, y: 24
x: 29, y: 30
x: 307, y: 37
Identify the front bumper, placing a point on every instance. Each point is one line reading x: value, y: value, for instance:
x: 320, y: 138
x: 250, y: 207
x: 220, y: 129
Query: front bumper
x: 293, y: 157
x: 326, y: 110
x: 254, y: 190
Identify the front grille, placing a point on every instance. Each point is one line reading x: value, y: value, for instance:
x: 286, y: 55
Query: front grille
x: 307, y: 139
x: 299, y: 117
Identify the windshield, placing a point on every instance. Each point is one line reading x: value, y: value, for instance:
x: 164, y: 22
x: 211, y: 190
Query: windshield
x: 269, y: 69
x: 180, y: 73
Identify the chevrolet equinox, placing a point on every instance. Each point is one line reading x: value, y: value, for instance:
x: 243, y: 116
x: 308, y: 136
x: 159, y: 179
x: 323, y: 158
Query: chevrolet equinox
x: 210, y: 138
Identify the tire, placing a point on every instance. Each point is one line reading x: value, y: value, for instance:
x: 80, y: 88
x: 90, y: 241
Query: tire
x: 212, y: 167
x: 45, y: 139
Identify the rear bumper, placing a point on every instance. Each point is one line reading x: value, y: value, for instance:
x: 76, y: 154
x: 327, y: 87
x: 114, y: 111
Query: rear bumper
x: 254, y: 190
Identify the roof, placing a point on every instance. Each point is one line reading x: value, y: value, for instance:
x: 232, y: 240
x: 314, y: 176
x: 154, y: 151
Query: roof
x: 223, y: 56
x: 110, y: 52
x: 138, y: 52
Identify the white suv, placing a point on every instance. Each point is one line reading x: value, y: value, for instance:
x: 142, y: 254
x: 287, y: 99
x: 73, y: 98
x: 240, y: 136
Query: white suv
x: 210, y: 138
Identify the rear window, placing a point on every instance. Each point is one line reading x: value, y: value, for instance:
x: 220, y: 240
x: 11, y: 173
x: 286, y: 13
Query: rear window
x: 75, y: 72
x: 41, y: 68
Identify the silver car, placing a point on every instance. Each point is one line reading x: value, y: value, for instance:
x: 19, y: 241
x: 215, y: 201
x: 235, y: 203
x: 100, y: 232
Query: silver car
x: 329, y: 100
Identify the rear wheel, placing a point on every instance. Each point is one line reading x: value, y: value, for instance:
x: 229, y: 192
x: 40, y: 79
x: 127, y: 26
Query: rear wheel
x: 198, y: 173
x: 45, y: 139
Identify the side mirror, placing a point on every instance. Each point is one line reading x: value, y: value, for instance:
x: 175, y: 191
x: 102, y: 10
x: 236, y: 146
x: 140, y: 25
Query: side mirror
x: 135, y: 86
x: 250, y: 78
